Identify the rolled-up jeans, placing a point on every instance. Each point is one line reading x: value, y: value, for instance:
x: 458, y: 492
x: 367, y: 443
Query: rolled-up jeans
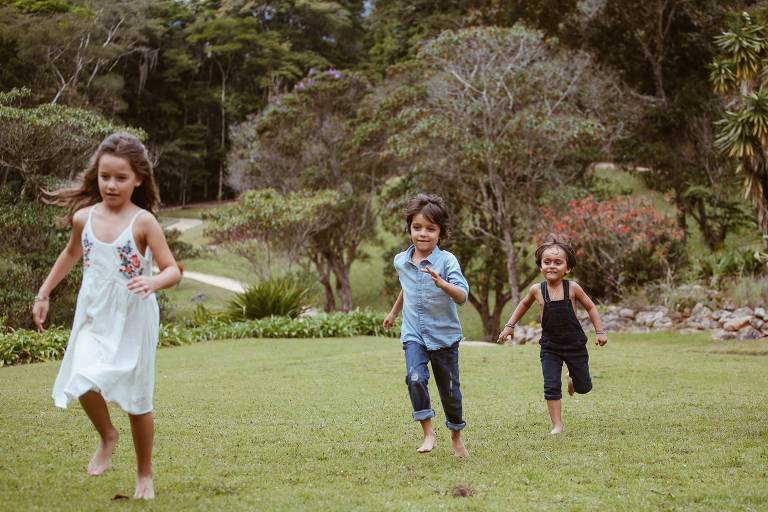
x: 445, y: 365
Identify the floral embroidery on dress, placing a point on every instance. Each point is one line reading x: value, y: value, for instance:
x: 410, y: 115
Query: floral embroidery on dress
x: 87, y: 246
x: 131, y: 265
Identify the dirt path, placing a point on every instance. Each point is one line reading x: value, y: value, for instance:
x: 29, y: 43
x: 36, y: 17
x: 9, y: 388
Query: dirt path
x: 185, y: 224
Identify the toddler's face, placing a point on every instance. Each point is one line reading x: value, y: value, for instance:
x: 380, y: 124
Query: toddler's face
x: 116, y: 180
x: 554, y: 264
x: 424, y: 233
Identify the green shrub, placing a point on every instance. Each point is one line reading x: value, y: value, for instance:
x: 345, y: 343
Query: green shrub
x: 748, y: 291
x: 734, y: 262
x: 30, y: 242
x: 279, y: 296
x: 27, y: 346
x: 179, y: 248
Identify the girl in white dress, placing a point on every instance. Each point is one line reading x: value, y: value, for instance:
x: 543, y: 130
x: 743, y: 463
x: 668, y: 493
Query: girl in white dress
x: 111, y: 350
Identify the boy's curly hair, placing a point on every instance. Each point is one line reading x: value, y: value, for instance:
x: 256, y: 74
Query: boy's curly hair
x: 430, y: 206
x: 553, y: 240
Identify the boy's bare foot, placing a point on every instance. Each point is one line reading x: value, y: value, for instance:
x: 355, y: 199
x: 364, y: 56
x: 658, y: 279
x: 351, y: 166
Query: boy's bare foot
x: 459, y: 449
x: 558, y: 429
x: 427, y: 445
x: 145, y: 489
x: 570, y: 384
x: 103, y: 454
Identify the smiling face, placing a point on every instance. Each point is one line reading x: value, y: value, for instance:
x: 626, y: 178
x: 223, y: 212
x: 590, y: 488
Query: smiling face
x: 424, y: 234
x: 554, y: 264
x: 117, y: 180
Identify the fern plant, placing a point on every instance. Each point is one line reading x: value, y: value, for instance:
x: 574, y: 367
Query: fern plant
x: 280, y: 296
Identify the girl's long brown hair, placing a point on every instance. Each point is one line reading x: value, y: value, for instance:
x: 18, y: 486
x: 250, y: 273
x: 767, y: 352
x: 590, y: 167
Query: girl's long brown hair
x: 123, y: 145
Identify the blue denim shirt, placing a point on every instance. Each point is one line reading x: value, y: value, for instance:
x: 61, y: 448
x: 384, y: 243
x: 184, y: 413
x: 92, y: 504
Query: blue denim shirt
x: 429, y: 314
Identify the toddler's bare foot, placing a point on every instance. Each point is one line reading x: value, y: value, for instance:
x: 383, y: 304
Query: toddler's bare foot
x: 459, y: 449
x: 570, y: 385
x: 145, y: 489
x: 103, y: 454
x: 428, y: 445
x: 558, y: 429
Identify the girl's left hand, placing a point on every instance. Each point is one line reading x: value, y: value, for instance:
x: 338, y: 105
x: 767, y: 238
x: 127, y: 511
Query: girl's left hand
x: 142, y: 285
x: 439, y: 281
x: 601, y: 339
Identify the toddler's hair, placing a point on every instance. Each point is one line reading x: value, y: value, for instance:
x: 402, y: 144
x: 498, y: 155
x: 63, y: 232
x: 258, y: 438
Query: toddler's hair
x: 123, y: 145
x: 430, y: 206
x: 553, y: 240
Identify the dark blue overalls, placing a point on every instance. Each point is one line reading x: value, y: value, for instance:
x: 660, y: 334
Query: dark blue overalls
x: 562, y: 340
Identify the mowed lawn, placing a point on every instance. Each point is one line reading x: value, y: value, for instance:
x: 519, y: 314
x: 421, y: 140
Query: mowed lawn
x: 674, y: 423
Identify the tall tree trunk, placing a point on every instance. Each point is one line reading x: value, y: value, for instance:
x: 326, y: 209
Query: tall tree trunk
x: 682, y: 222
x: 511, y: 261
x: 343, y: 288
x: 324, y: 270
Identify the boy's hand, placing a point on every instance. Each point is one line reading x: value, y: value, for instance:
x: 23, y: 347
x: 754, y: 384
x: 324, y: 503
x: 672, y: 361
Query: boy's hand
x: 439, y: 281
x: 39, y: 313
x: 503, y: 335
x: 601, y: 339
x: 389, y: 321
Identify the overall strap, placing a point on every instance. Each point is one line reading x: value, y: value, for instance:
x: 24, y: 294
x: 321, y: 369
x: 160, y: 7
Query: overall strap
x: 566, y: 295
x: 544, y: 292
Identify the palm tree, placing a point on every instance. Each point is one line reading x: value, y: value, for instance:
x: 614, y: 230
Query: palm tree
x: 740, y: 73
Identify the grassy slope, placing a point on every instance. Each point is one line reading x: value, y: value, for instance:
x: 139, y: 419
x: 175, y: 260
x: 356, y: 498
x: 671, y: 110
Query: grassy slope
x: 325, y: 425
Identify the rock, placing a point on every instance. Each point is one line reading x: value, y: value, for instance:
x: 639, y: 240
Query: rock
x: 756, y: 322
x: 728, y: 305
x: 310, y: 312
x: 749, y: 334
x: 663, y: 323
x: 717, y: 315
x: 720, y: 334
x: 200, y: 297
x: 736, y: 323
x: 743, y: 312
x: 760, y: 313
x: 627, y: 313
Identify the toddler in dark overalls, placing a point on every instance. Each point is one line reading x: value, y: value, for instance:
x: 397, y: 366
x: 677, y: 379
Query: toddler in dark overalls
x: 562, y: 338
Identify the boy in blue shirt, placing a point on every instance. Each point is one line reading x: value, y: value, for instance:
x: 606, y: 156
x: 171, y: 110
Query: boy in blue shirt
x: 431, y: 285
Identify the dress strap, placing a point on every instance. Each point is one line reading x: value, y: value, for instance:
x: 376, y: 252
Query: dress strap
x: 90, y: 212
x: 544, y: 291
x: 130, y: 225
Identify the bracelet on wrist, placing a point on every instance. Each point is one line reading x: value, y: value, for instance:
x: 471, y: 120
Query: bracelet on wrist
x: 599, y: 332
x: 40, y: 298
x: 510, y: 326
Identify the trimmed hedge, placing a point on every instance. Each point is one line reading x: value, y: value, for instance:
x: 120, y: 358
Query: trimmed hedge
x: 25, y: 346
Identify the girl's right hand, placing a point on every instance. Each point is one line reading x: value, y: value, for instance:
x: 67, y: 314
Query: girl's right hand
x: 389, y: 321
x: 503, y: 335
x: 39, y: 313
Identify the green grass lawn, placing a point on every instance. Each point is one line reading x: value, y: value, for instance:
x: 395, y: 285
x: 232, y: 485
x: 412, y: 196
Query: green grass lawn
x: 672, y: 424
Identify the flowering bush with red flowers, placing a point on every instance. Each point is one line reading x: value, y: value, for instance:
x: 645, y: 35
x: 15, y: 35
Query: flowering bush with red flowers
x: 619, y: 242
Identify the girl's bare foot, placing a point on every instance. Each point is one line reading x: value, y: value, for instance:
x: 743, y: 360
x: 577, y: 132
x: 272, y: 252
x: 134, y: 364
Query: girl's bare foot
x: 570, y: 384
x: 428, y: 444
x: 145, y: 489
x: 458, y: 446
x: 558, y: 429
x: 103, y: 454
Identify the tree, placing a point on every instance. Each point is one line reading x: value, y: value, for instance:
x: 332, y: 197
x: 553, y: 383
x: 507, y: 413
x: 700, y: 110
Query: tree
x: 661, y: 48
x: 739, y: 73
x: 504, y: 116
x: 307, y: 141
x: 49, y: 139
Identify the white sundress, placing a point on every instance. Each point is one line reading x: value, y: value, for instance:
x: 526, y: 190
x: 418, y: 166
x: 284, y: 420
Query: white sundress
x: 114, y: 335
